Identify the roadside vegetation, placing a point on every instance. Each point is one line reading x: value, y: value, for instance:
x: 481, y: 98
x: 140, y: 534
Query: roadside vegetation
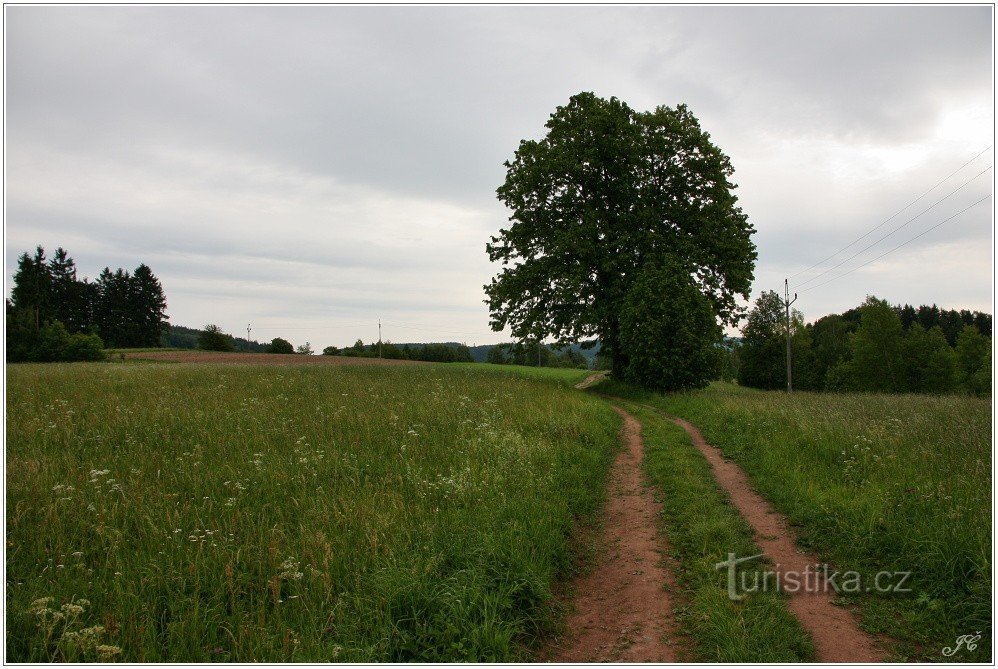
x: 874, y: 483
x: 703, y: 528
x: 194, y: 514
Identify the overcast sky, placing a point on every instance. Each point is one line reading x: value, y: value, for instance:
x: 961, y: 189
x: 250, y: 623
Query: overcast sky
x: 311, y: 169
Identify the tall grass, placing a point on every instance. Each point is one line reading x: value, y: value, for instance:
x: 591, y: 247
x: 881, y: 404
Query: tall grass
x: 874, y: 482
x: 238, y: 514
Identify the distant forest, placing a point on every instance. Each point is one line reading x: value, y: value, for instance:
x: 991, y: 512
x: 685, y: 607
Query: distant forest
x: 876, y: 347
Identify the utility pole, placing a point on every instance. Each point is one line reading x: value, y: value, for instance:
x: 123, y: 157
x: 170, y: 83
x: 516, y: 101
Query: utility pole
x: 379, y: 338
x: 786, y: 303
x: 247, y: 332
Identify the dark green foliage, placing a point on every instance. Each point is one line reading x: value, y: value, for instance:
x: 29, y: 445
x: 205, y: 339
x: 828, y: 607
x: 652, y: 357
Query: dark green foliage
x: 874, y: 348
x: 728, y: 361
x: 449, y: 352
x: 330, y: 350
x: 213, y: 339
x: 147, y: 311
x: 877, y: 349
x: 178, y: 336
x: 527, y: 354
x: 980, y: 382
x: 279, y: 345
x: 829, y: 344
x: 51, y: 342
x: 609, y: 190
x: 763, y: 354
x: 304, y: 349
x: 32, y: 289
x: 930, y: 365
x: 973, y: 354
x: 126, y: 310
x: 670, y: 330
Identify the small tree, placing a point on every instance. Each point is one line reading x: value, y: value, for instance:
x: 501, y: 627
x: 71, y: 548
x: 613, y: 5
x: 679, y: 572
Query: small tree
x: 930, y: 365
x: 877, y: 349
x: 279, y: 345
x: 331, y: 350
x: 305, y: 349
x: 971, y: 350
x: 671, y: 331
x: 763, y: 354
x: 213, y: 339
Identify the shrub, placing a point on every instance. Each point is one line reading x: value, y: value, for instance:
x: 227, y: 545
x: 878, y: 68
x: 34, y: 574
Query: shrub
x: 213, y: 339
x: 280, y: 346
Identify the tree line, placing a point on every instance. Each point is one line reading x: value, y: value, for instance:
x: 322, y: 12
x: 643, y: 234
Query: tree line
x: 54, y: 315
x: 437, y: 352
x: 531, y: 354
x: 876, y: 347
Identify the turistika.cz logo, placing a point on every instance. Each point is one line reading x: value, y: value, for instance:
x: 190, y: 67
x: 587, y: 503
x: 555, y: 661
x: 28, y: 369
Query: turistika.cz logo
x: 817, y: 578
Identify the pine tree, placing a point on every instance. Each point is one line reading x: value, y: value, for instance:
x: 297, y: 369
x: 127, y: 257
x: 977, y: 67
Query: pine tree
x: 148, y: 308
x: 32, y: 289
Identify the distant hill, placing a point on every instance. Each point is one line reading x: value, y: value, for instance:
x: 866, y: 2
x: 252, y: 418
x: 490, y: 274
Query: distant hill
x: 178, y: 336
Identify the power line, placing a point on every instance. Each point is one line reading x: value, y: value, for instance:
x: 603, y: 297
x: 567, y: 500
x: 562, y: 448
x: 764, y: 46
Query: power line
x: 895, y: 214
x: 905, y: 243
x: 910, y: 220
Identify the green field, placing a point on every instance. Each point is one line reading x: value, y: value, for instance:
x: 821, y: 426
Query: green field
x: 236, y: 513
x: 873, y: 482
x: 171, y: 512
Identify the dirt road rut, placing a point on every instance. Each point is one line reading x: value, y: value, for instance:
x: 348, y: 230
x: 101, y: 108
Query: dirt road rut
x: 623, y: 610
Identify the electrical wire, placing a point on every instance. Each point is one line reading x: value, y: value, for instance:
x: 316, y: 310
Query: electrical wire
x: 894, y: 215
x: 905, y: 243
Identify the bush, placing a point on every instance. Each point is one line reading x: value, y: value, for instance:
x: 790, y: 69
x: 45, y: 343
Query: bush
x: 280, y: 346
x: 87, y: 347
x: 52, y: 343
x: 213, y: 339
x: 331, y: 350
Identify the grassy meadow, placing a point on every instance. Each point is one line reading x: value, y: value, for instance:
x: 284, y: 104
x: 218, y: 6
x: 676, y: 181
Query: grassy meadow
x: 873, y: 482
x: 192, y: 513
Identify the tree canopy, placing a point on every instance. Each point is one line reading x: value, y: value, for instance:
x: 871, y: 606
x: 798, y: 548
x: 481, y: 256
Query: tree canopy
x: 607, y: 192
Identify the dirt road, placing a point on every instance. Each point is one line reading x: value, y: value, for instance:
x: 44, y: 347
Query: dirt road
x: 622, y: 608
x: 626, y: 619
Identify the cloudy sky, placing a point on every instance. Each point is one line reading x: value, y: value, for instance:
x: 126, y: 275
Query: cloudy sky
x: 312, y: 169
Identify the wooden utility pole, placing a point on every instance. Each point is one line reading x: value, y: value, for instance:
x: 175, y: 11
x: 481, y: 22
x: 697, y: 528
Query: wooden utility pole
x: 786, y: 303
x: 379, y: 338
x: 247, y: 332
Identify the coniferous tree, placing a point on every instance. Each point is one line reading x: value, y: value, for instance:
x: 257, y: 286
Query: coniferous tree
x: 32, y: 289
x: 148, y: 307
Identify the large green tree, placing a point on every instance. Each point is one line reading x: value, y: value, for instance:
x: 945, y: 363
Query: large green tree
x: 607, y: 192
